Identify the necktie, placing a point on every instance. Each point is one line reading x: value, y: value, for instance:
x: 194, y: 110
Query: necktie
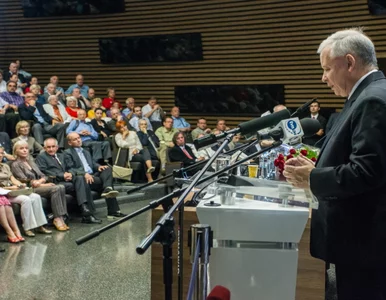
x: 313, y: 117
x: 187, y: 153
x: 57, y: 160
x: 85, y: 164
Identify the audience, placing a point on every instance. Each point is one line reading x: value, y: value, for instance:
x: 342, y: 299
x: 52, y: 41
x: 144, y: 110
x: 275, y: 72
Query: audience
x: 32, y: 81
x: 129, y: 110
x: 148, y: 139
x: 3, y: 84
x: 32, y: 213
x: 100, y: 150
x: 181, y: 152
x: 13, y: 70
x: 55, y: 81
x: 221, y: 126
x: 91, y: 94
x: 100, y: 125
x: 95, y: 103
x: 56, y: 111
x: 82, y: 101
x: 21, y: 71
x: 165, y: 135
x: 80, y: 85
x: 202, y: 128
x: 35, y: 89
x: 110, y: 99
x: 115, y: 117
x: 9, y: 112
x: 153, y: 112
x: 179, y: 122
x: 28, y: 172
x: 72, y: 107
x: 23, y: 131
x: 5, y: 143
x: 19, y: 89
x: 138, y: 116
x: 51, y: 90
x: 129, y: 140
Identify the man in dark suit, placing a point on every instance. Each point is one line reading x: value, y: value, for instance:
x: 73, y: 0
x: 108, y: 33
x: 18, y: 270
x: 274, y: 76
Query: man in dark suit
x: 182, y: 152
x: 331, y: 121
x: 30, y: 110
x: 13, y: 70
x: 349, y: 177
x: 314, y: 114
x: 53, y: 165
x: 80, y: 163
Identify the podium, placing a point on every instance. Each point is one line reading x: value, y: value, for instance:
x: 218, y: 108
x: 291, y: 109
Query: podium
x: 255, y: 249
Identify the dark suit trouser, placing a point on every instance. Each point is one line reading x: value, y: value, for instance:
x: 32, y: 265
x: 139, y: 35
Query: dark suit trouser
x: 354, y: 283
x: 8, y: 123
x: 58, y: 131
x: 82, y: 191
x: 103, y: 180
x: 99, y: 150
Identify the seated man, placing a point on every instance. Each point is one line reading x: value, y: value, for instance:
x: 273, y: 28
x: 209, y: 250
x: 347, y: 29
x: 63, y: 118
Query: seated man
x: 221, y: 126
x: 202, y: 128
x: 129, y: 110
x: 44, y: 123
x: 183, y: 153
x: 52, y: 164
x: 115, y: 117
x: 52, y: 91
x: 8, y: 111
x: 154, y: 112
x: 165, y: 135
x: 100, y: 178
x: 138, y: 116
x: 83, y: 102
x: 179, y: 122
x: 55, y: 81
x: 101, y: 150
x: 80, y: 85
x: 56, y: 110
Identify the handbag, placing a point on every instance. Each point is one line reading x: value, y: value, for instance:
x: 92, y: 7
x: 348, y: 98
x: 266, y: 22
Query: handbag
x: 15, y: 193
x: 121, y: 172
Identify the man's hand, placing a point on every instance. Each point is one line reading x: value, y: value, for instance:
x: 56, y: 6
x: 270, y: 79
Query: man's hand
x: 320, y: 132
x: 156, y: 107
x: 208, y: 130
x: 297, y: 171
x: 101, y: 168
x: 103, y: 134
x: 89, y: 178
x: 67, y: 176
x: 14, y: 107
x: 200, y: 158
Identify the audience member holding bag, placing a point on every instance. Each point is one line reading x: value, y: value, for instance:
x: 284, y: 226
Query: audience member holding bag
x: 32, y: 212
x: 27, y: 171
x: 129, y: 140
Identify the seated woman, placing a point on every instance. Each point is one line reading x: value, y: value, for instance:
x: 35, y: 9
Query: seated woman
x: 99, y: 124
x: 129, y: 140
x: 32, y: 212
x: 8, y: 221
x: 72, y: 107
x: 110, y: 99
x: 148, y: 139
x: 23, y: 130
x: 95, y: 103
x: 27, y: 171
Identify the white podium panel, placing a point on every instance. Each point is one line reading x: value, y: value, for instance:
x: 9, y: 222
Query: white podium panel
x: 255, y: 251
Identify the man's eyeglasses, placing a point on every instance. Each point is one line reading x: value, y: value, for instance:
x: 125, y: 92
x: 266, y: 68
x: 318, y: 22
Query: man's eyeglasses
x: 12, y: 85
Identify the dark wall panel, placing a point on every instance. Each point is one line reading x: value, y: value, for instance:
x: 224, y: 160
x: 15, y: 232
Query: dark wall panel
x: 244, y: 42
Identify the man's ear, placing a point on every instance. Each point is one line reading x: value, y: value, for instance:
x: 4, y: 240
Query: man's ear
x: 351, y: 61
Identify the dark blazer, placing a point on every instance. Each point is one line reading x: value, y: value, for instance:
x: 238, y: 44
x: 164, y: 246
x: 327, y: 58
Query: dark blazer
x: 144, y: 139
x: 27, y: 113
x: 50, y: 167
x: 99, y: 128
x: 312, y: 140
x: 5, y: 142
x: 176, y: 154
x: 331, y: 121
x: 350, y: 182
x: 74, y: 164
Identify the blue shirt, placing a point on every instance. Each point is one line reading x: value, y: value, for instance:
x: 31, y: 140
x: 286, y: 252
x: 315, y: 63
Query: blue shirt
x: 134, y: 121
x: 77, y: 126
x: 180, y: 123
x: 126, y: 111
x: 83, y: 90
x: 83, y: 159
x: 39, y: 117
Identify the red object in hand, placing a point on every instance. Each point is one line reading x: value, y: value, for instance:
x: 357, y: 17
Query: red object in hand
x: 290, y: 156
x: 304, y: 152
x: 313, y: 159
x: 292, y: 151
x: 280, y: 157
x: 219, y: 293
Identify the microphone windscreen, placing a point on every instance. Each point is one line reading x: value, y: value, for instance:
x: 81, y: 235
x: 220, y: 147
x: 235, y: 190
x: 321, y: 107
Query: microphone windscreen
x: 204, y: 141
x: 219, y: 293
x: 310, y: 126
x: 264, y: 122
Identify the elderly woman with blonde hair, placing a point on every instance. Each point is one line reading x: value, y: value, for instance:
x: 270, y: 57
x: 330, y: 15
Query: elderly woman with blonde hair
x: 23, y: 130
x: 32, y: 212
x: 26, y: 171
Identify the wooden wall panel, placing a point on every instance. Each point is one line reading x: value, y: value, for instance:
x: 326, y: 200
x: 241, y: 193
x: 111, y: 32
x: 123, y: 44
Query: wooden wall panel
x: 244, y: 42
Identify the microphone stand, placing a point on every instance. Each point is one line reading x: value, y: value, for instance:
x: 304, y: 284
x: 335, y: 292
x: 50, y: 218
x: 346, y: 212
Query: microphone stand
x: 178, y: 172
x: 164, y: 201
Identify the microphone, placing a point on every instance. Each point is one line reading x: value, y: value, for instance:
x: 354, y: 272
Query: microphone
x: 219, y: 293
x: 244, y: 128
x: 303, y: 108
x: 291, y: 130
